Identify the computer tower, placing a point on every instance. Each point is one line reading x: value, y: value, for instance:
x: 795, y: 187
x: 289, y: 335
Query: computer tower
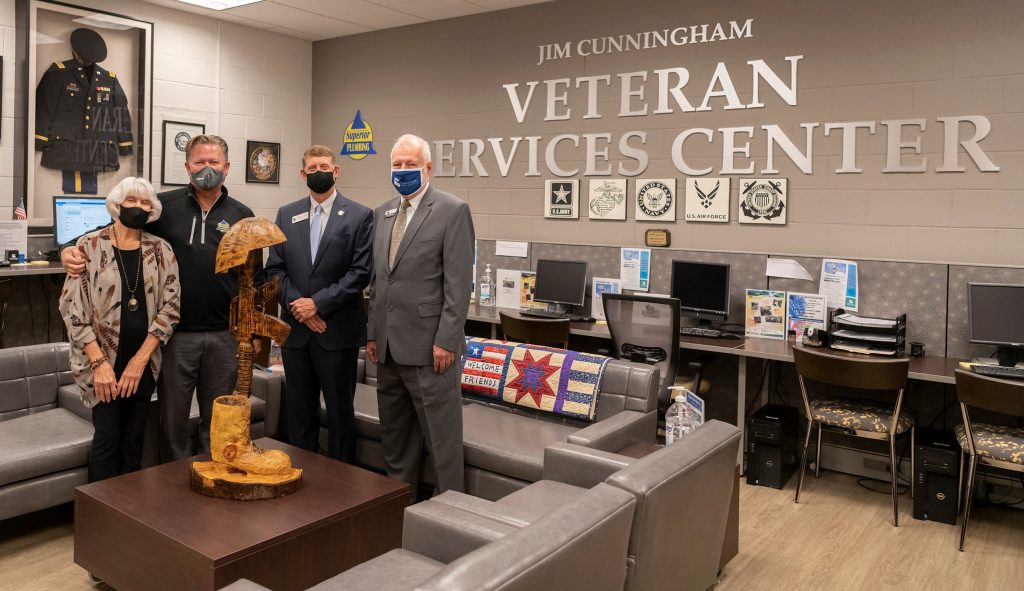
x: 772, y: 446
x: 936, y: 475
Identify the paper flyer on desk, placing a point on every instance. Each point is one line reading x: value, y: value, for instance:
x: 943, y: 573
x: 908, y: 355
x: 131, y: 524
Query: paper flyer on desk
x: 635, y: 268
x: 806, y: 309
x: 766, y: 314
x: 508, y: 288
x: 839, y: 284
x: 14, y: 236
x: 527, y: 287
x: 602, y: 285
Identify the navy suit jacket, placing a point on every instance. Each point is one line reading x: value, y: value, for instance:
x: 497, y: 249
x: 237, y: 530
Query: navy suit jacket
x: 335, y: 279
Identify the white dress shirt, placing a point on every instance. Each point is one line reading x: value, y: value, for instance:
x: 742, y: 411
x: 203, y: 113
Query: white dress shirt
x: 326, y: 205
x: 414, y: 204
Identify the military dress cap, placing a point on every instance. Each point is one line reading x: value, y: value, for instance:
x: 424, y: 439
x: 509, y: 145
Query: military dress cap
x: 89, y: 45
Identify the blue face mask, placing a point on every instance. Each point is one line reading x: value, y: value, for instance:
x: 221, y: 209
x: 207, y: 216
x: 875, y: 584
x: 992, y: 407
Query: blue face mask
x: 407, y: 181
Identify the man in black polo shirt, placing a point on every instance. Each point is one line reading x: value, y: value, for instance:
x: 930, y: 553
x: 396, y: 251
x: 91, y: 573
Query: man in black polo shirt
x: 200, y: 357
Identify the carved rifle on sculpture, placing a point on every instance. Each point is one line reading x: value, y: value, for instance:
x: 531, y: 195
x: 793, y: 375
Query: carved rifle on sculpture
x: 239, y: 469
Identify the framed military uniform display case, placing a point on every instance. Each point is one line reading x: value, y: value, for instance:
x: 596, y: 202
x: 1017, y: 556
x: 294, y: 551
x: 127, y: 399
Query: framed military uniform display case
x: 89, y: 109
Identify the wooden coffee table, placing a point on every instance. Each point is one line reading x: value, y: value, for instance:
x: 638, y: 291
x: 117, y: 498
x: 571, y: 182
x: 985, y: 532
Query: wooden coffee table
x: 149, y: 530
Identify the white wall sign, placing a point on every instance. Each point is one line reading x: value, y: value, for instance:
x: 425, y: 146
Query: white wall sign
x: 656, y: 200
x: 762, y: 201
x: 607, y: 199
x: 562, y: 199
x: 707, y: 199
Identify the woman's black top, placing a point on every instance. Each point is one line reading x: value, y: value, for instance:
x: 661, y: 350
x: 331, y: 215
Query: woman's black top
x: 134, y: 324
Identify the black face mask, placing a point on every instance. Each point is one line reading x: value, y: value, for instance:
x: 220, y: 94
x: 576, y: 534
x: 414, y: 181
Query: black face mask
x: 133, y: 217
x: 320, y: 182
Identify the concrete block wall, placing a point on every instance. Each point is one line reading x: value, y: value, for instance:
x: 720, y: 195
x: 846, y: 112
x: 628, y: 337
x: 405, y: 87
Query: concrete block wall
x: 242, y: 83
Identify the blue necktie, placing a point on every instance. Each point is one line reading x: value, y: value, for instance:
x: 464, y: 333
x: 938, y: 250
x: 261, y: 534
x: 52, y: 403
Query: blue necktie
x: 314, y: 231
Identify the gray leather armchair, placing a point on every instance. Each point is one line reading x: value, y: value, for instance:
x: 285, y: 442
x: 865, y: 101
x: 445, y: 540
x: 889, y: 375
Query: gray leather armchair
x: 683, y: 495
x: 580, y: 546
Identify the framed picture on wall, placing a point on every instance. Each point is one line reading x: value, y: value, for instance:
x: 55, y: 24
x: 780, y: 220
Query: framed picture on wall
x: 176, y: 135
x: 88, y: 113
x: 262, y: 162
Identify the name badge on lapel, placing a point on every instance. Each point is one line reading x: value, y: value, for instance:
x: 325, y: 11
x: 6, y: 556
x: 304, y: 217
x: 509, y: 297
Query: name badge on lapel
x: 390, y: 212
x: 298, y: 218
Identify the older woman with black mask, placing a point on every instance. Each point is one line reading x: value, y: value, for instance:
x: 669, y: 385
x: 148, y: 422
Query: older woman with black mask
x: 118, y: 312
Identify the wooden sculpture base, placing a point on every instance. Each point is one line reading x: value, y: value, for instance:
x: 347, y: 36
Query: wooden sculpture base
x: 215, y: 480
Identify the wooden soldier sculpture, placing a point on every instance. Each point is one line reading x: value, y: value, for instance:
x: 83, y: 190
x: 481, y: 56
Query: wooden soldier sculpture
x: 239, y: 469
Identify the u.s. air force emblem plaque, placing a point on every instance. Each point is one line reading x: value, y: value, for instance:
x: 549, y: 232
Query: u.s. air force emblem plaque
x: 762, y: 201
x: 707, y: 200
x: 608, y: 199
x: 656, y: 200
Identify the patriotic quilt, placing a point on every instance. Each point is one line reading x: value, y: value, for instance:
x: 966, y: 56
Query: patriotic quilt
x: 558, y: 381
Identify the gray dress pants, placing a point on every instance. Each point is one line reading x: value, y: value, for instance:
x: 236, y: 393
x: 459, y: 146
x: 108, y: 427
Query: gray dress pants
x: 203, y: 363
x: 420, y: 407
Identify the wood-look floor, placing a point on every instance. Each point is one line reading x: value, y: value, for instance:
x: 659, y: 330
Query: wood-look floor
x: 839, y: 537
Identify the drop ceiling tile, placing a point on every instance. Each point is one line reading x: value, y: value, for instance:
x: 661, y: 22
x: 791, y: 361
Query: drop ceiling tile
x: 382, y: 18
x: 438, y: 9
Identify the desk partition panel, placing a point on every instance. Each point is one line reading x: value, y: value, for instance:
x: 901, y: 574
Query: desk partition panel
x: 957, y: 329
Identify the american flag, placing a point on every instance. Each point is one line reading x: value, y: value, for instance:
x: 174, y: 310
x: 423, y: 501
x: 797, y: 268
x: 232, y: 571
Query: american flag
x: 19, y: 212
x: 484, y: 367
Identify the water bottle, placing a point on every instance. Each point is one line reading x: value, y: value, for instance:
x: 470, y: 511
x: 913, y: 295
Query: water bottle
x: 487, y: 288
x: 679, y: 420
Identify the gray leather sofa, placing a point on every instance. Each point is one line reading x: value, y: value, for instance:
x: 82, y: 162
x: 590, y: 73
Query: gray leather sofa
x: 683, y: 494
x: 504, y: 445
x: 46, y: 431
x: 44, y: 443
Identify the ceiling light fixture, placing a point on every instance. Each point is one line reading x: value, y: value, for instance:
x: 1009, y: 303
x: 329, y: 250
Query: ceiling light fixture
x: 220, y: 4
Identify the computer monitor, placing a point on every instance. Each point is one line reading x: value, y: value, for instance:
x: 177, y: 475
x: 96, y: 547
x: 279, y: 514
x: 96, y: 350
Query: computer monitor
x: 74, y: 216
x: 702, y: 290
x: 561, y: 282
x: 996, y: 317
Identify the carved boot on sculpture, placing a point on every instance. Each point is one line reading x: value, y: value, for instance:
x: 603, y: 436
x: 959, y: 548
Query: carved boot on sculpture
x: 230, y: 443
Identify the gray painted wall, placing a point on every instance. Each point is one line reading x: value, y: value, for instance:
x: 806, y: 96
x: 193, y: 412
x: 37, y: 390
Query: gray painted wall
x: 862, y: 61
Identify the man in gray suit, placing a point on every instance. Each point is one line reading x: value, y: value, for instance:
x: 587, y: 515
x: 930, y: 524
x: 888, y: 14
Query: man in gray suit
x: 419, y: 298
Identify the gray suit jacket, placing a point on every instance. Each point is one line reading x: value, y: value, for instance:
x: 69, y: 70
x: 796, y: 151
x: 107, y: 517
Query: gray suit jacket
x: 424, y: 299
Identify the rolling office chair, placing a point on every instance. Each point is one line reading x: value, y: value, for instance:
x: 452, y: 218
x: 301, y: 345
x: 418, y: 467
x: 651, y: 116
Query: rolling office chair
x: 549, y: 333
x: 860, y: 418
x: 989, y: 445
x: 645, y: 329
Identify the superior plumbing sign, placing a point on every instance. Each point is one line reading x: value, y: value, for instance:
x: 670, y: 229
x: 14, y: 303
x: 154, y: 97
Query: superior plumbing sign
x: 670, y: 92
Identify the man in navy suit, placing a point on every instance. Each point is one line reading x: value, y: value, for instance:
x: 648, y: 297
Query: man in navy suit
x: 324, y: 267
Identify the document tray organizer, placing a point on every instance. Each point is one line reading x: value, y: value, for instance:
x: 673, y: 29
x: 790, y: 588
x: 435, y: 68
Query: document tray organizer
x: 889, y: 340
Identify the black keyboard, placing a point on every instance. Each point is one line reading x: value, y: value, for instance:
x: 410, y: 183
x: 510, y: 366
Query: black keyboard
x: 547, y: 314
x: 999, y: 371
x: 696, y: 331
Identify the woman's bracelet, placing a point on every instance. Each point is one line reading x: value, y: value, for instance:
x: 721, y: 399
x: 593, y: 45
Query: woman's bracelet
x: 94, y: 364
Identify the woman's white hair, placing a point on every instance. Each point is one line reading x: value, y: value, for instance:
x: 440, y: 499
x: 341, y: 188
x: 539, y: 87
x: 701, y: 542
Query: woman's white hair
x: 139, y: 187
x: 417, y: 141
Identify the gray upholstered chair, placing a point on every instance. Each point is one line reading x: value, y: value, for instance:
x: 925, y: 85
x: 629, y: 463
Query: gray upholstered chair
x: 683, y: 494
x: 986, y: 444
x: 856, y: 417
x: 582, y: 545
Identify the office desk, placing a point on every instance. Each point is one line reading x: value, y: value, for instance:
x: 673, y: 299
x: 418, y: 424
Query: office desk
x: 28, y: 270
x: 24, y: 289
x: 928, y: 369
